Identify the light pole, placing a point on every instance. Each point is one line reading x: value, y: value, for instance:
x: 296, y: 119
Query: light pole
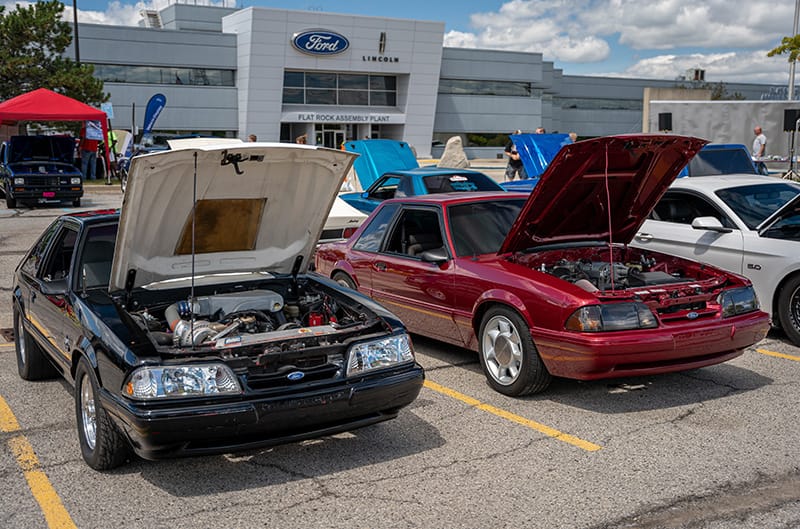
x: 792, y: 63
x: 78, y: 50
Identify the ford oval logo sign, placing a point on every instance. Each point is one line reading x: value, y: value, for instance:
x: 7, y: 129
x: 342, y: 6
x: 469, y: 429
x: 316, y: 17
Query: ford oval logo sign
x: 692, y: 315
x: 295, y: 375
x: 320, y: 42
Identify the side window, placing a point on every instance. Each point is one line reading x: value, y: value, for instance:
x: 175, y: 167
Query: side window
x: 58, y: 263
x: 385, y: 189
x: 34, y: 259
x: 416, y: 231
x: 371, y: 237
x: 683, y: 208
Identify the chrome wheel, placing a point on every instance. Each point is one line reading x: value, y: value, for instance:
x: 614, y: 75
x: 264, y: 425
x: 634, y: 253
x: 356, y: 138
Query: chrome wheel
x: 502, y: 350
x: 22, y: 350
x: 88, y: 412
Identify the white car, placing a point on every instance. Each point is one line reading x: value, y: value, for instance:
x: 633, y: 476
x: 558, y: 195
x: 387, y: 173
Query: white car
x: 343, y: 221
x: 745, y: 224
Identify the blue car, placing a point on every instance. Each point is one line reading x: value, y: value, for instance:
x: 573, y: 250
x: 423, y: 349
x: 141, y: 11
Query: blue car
x: 536, y: 152
x: 721, y: 159
x: 389, y: 169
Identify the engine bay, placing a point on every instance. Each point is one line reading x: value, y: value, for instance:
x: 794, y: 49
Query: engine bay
x: 273, y: 319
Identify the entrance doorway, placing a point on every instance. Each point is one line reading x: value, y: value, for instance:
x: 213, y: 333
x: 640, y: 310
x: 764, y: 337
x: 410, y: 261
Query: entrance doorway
x: 332, y: 135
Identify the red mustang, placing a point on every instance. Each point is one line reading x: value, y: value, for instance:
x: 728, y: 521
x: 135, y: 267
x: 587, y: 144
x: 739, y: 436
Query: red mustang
x: 545, y: 285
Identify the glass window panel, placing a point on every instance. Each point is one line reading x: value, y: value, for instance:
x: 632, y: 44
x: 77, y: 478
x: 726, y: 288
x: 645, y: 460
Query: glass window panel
x: 228, y: 77
x: 293, y: 79
x: 320, y: 97
x: 382, y: 99
x: 353, y: 97
x: 382, y: 82
x: 320, y: 80
x: 354, y: 82
x: 293, y: 96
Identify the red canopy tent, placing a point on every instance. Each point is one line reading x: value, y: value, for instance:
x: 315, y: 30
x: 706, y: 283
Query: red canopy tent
x: 45, y: 105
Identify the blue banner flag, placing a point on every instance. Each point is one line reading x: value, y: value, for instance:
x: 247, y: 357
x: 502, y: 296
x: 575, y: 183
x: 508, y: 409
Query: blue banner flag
x: 154, y: 108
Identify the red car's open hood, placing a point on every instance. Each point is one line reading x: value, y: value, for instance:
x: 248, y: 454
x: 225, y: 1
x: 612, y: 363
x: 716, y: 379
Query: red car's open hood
x: 600, y: 190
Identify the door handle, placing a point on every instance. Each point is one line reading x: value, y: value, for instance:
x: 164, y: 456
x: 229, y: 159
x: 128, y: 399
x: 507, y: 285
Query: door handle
x: 644, y: 237
x: 380, y: 265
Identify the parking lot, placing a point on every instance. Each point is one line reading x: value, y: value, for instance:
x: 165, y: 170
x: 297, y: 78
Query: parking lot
x: 711, y: 448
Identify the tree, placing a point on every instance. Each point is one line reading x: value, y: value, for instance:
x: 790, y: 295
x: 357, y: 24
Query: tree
x: 32, y: 44
x: 790, y: 45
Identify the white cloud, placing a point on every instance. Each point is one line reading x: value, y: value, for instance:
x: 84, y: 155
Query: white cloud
x: 752, y: 66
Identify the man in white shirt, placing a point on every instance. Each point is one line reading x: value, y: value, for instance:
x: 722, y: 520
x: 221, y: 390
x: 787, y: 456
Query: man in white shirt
x: 759, y: 143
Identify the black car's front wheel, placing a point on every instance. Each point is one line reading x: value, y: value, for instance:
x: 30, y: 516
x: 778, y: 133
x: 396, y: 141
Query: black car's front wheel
x: 11, y: 202
x: 102, y: 445
x: 509, y: 358
x: 32, y: 364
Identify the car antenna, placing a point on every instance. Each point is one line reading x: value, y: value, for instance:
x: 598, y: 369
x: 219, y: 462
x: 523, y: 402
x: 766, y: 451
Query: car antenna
x: 194, y: 217
x: 610, y: 233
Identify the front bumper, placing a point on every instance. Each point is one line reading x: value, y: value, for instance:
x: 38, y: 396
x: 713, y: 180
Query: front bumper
x: 46, y: 195
x: 588, y: 356
x: 255, y: 422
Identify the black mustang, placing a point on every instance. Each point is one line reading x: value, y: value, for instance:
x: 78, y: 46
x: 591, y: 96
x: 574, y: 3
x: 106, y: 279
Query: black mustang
x: 186, y: 322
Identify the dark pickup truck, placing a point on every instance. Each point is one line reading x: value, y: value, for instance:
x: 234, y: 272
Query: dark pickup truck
x: 39, y: 170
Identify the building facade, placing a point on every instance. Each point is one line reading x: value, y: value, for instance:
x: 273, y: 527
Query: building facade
x: 283, y: 74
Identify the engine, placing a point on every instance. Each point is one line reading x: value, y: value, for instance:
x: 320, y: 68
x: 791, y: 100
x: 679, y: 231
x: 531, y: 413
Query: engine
x: 248, y: 317
x: 592, y: 275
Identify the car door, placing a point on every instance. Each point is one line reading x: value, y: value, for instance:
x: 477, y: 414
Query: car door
x: 49, y: 306
x: 362, y: 253
x: 421, y: 293
x: 669, y: 230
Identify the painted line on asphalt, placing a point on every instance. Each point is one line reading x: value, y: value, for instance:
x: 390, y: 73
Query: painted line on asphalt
x: 550, y: 432
x: 779, y: 355
x: 6, y: 345
x: 43, y: 492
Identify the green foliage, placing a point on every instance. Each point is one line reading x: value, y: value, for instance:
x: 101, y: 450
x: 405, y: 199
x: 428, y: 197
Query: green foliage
x: 790, y: 45
x: 32, y: 42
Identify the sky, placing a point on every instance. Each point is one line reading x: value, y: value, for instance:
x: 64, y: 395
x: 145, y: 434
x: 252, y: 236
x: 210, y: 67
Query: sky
x: 659, y: 39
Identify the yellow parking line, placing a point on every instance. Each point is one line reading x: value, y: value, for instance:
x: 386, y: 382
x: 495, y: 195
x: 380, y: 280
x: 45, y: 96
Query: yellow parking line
x: 54, y: 512
x: 6, y: 345
x: 778, y: 355
x: 551, y: 432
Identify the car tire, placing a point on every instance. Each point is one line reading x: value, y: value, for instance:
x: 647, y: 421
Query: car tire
x: 509, y: 358
x: 102, y: 445
x: 345, y: 280
x: 11, y: 202
x: 123, y: 179
x: 76, y: 203
x: 789, y: 309
x: 32, y: 362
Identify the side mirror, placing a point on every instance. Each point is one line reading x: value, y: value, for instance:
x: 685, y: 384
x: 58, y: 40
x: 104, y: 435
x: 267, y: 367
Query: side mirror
x: 710, y: 224
x: 364, y: 195
x: 435, y: 256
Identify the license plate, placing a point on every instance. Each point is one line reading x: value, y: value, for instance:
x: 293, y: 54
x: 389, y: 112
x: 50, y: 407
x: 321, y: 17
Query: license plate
x: 49, y: 194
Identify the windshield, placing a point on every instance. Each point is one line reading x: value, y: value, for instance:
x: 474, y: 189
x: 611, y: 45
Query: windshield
x: 754, y: 203
x: 41, y: 148
x: 710, y: 162
x: 481, y: 227
x: 453, y: 182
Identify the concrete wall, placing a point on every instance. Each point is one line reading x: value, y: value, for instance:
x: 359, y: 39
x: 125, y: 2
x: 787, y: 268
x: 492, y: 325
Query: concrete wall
x: 728, y: 121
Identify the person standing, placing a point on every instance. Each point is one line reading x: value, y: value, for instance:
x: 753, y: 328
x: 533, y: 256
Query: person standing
x: 252, y: 138
x: 514, y: 166
x: 759, y: 143
x: 88, y: 150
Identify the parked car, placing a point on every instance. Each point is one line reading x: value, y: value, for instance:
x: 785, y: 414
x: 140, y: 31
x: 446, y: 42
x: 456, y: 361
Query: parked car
x: 206, y: 334
x: 536, y: 152
x: 723, y: 158
x: 544, y: 284
x: 388, y: 169
x: 39, y: 170
x: 746, y: 224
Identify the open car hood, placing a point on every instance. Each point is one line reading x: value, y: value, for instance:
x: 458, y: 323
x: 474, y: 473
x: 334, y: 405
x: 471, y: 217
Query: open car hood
x: 260, y: 206
x: 377, y: 157
x: 571, y: 201
x: 537, y: 150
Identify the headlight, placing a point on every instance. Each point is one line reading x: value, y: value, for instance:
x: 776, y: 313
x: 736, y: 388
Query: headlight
x: 377, y: 354
x: 19, y: 181
x: 612, y: 317
x: 75, y: 180
x: 159, y: 382
x: 738, y: 301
